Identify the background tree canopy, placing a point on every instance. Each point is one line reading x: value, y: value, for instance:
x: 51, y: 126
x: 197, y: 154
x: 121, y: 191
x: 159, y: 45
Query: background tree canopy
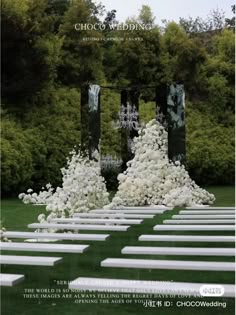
x: 45, y: 61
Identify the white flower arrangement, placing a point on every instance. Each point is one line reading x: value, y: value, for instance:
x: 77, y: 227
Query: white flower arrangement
x: 152, y: 179
x: 40, y: 198
x: 83, y: 188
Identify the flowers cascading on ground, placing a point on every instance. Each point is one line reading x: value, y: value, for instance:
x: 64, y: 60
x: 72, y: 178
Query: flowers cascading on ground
x: 83, y: 188
x: 40, y: 198
x: 152, y: 179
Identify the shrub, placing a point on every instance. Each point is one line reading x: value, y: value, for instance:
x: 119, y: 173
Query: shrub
x: 16, y: 161
x: 210, y: 149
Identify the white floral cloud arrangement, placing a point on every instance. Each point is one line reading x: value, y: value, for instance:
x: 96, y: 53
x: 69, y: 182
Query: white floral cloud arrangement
x: 83, y: 188
x: 152, y: 179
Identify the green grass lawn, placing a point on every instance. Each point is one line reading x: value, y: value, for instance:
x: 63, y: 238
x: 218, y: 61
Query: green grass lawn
x: 16, y: 216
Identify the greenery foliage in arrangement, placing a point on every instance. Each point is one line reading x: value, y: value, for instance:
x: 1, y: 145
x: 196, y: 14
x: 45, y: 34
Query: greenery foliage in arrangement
x: 45, y: 62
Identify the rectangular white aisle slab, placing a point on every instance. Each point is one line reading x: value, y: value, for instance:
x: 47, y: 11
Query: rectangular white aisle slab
x: 41, y: 247
x: 203, y: 216
x: 129, y: 211
x: 114, y: 215
x: 187, y: 227
x: 186, y: 238
x: 143, y: 286
x: 168, y: 264
x: 59, y: 226
x: 188, y: 251
x: 58, y: 236
x: 97, y: 221
x: 211, y: 208
x: 198, y: 221
x: 148, y: 208
x: 29, y: 260
x: 212, y: 212
x: 8, y: 280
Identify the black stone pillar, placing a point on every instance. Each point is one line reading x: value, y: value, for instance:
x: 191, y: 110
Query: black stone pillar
x: 176, y: 122
x: 90, y: 124
x: 84, y: 119
x: 161, y: 99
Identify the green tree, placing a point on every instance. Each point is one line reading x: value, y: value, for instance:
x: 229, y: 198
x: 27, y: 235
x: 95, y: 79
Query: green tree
x: 82, y: 58
x: 146, y: 15
x: 230, y: 22
x: 220, y: 70
x: 182, y: 56
x: 30, y: 50
x: 214, y: 21
x: 137, y: 61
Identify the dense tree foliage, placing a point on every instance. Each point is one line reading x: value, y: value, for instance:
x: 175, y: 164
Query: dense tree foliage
x: 210, y: 147
x: 16, y: 158
x: 31, y: 49
x: 214, y: 21
x: 45, y: 61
